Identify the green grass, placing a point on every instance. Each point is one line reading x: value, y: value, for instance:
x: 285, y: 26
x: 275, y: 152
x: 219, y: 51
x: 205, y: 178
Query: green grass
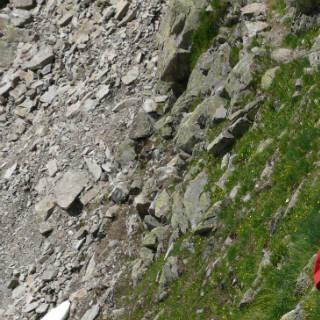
x: 279, y: 6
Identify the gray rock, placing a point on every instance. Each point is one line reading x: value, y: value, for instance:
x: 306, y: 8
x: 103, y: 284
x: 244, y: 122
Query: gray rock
x: 92, y: 313
x: 149, y: 106
x: 120, y: 193
x: 142, y: 127
x: 94, y: 169
x: 42, y: 308
x: 211, y: 70
x: 69, y: 187
x: 255, y: 27
x: 125, y: 104
x: 196, y: 201
x: 43, y: 57
x: 282, y: 55
x: 24, y: 4
x: 179, y: 220
x: 45, y: 229
x: 49, y: 274
x: 131, y: 76
x: 222, y: 144
x: 19, y: 17
x: 45, y: 207
x: 241, y: 76
x: 52, y: 167
x: 31, y: 307
x: 240, y: 127
x: 170, y: 272
x: 268, y: 78
x: 151, y: 222
x: 162, y: 206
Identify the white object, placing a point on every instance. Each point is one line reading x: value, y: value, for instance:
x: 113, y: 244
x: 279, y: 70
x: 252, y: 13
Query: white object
x: 61, y: 312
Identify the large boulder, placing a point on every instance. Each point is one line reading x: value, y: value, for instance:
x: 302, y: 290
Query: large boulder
x: 175, y: 37
x: 211, y: 70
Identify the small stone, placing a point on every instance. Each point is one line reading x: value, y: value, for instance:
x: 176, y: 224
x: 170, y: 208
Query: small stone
x: 221, y: 145
x: 149, y: 106
x: 131, y: 76
x: 52, y: 167
x: 122, y: 9
x: 24, y: 4
x: 49, y: 274
x: 94, y: 169
x: 45, y: 207
x: 45, y: 229
x: 42, y: 308
x: 41, y: 59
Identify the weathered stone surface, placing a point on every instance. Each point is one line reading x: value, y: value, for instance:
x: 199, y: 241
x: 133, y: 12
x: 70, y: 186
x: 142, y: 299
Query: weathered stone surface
x: 92, y: 313
x: 94, y: 168
x: 222, y: 144
x: 131, y: 76
x: 282, y: 55
x: 142, y: 127
x: 69, y: 187
x: 170, y: 272
x: 196, y: 200
x: 162, y: 206
x: 268, y: 78
x: 253, y: 28
x: 254, y: 9
x: 240, y: 127
x: 241, y: 76
x: 43, y: 57
x: 45, y: 206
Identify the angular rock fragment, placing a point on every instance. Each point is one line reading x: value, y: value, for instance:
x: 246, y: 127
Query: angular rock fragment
x: 222, y: 144
x: 43, y: 57
x: 142, y: 127
x: 69, y: 187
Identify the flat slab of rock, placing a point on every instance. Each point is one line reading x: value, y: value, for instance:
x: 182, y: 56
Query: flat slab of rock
x: 253, y: 28
x: 254, y: 9
x: 41, y: 59
x: 45, y: 206
x: 23, y: 4
x: 61, y: 312
x: 69, y: 187
x: 125, y: 104
x: 282, y: 55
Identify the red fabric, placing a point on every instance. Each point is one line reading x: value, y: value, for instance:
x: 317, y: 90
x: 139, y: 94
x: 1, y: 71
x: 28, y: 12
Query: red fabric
x: 316, y: 272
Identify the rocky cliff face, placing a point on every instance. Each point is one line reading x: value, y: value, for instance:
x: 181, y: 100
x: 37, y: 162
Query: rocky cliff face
x: 159, y: 159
